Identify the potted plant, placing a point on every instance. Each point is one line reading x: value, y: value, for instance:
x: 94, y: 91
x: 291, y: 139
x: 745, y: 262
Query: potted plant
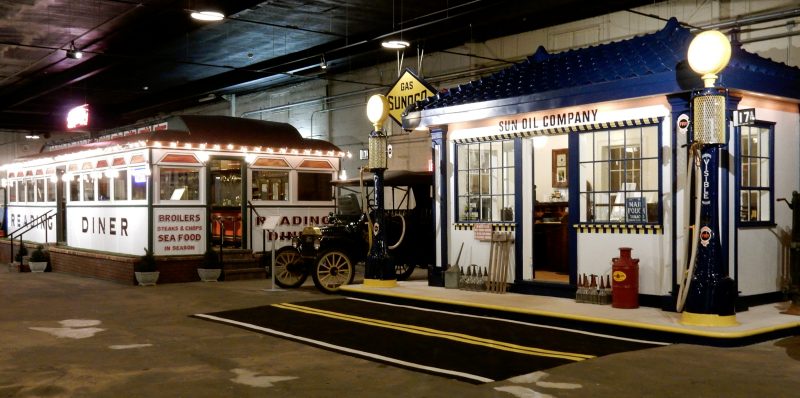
x: 38, y: 260
x: 146, y: 270
x: 21, y: 258
x: 211, y: 268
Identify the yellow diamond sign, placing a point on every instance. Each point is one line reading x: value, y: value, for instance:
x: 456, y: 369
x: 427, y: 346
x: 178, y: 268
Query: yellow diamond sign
x: 407, y: 90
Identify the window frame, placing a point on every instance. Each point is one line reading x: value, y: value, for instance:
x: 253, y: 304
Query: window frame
x: 201, y: 181
x: 506, y: 169
x: 770, y: 127
x: 584, y: 210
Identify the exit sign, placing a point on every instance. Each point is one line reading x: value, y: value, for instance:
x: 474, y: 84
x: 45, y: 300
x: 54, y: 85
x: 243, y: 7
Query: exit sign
x: 744, y: 117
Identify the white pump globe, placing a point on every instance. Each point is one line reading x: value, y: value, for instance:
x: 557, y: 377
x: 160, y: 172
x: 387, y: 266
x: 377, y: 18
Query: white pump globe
x: 377, y: 109
x: 709, y: 52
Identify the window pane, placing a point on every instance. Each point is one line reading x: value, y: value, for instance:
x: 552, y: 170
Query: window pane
x: 649, y: 180
x: 508, y: 151
x: 121, y: 185
x: 586, y: 147
x: 75, y: 189
x: 29, y: 191
x: 177, y: 183
x: 88, y: 187
x: 103, y: 188
x: 270, y: 185
x: 138, y: 184
x: 51, y: 189
x: 40, y: 189
x: 314, y: 186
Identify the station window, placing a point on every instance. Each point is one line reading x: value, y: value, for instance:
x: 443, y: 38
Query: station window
x: 179, y: 183
x: 619, y: 175
x: 270, y: 185
x: 485, y: 176
x: 314, y: 186
x: 755, y: 173
x: 121, y: 185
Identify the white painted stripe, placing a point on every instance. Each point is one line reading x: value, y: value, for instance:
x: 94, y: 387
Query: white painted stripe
x: 348, y: 350
x: 516, y: 322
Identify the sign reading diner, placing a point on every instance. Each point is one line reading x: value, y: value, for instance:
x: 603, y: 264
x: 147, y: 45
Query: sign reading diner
x: 548, y: 121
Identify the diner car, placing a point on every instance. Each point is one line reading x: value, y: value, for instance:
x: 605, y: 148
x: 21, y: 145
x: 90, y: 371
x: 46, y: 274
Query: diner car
x: 176, y: 188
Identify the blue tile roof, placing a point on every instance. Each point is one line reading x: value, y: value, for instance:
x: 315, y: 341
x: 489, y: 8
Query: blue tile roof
x: 658, y: 57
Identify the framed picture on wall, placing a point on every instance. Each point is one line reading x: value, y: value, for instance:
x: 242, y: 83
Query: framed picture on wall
x: 560, y: 171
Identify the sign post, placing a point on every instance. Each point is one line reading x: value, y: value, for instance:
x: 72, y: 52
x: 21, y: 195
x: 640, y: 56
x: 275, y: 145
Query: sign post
x: 269, y: 225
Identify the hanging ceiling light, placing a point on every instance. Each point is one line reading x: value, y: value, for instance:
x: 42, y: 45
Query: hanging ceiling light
x: 323, y: 64
x: 395, y: 44
x: 74, y: 53
x: 206, y: 12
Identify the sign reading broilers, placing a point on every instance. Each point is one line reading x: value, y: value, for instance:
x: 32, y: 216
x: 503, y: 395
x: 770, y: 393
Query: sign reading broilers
x: 407, y: 90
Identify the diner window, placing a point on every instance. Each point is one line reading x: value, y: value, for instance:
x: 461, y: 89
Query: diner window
x: 619, y: 175
x: 121, y: 185
x: 755, y: 169
x: 485, y: 175
x: 51, y: 188
x: 88, y: 187
x: 103, y: 187
x: 39, y: 189
x: 138, y: 184
x: 314, y: 186
x: 30, y: 193
x: 12, y: 191
x: 179, y: 183
x: 270, y: 185
x: 74, y: 188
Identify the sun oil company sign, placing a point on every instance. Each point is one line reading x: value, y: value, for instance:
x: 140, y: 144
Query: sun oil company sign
x: 407, y: 90
x: 179, y: 231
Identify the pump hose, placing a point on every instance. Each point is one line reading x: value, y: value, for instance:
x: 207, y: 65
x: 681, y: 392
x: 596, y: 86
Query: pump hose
x: 685, y: 277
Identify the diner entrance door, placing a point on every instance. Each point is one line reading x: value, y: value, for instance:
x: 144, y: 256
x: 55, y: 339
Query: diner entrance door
x: 226, y: 199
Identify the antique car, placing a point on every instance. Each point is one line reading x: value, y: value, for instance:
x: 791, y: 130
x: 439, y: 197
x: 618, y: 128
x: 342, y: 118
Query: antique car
x: 330, y: 253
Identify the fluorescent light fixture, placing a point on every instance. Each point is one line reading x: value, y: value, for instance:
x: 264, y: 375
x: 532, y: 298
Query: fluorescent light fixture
x: 395, y: 44
x: 207, y: 15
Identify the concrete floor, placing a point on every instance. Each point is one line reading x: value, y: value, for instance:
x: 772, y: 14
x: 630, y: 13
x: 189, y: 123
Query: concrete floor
x: 69, y: 336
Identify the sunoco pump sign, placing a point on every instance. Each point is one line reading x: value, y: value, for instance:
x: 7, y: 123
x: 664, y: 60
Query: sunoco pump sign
x: 407, y: 90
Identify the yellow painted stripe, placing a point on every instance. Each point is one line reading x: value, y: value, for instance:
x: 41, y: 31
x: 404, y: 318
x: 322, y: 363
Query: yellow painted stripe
x: 460, y: 337
x: 561, y: 315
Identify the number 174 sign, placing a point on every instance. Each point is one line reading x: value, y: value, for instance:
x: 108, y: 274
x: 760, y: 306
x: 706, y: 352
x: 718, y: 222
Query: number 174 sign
x: 744, y: 117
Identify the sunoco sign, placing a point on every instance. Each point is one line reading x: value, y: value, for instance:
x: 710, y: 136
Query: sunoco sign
x: 407, y: 90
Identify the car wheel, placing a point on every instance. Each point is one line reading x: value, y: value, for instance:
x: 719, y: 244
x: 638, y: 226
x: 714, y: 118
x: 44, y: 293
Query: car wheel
x: 403, y: 271
x: 289, y: 272
x: 333, y: 269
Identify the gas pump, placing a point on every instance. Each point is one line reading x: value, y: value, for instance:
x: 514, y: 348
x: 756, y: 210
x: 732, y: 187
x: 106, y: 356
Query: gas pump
x: 379, y: 270
x: 708, y: 290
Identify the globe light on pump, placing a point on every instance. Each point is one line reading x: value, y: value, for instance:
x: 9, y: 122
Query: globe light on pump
x: 377, y: 111
x: 709, y: 53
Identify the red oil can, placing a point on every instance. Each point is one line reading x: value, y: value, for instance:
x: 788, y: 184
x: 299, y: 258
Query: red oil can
x: 625, y: 280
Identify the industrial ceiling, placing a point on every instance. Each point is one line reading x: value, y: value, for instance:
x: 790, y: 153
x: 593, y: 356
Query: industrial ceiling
x: 147, y: 58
